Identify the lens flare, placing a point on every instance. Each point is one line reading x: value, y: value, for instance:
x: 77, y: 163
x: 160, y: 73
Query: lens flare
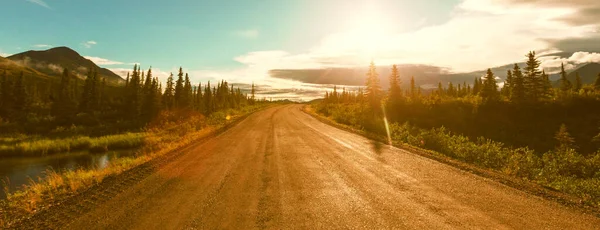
x: 387, y: 125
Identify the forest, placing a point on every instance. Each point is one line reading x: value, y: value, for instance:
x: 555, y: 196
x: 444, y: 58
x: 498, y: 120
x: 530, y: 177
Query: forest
x: 44, y: 116
x: 527, y: 128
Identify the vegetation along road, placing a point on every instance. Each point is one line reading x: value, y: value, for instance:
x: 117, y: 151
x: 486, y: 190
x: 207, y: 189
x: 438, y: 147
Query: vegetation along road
x: 283, y: 169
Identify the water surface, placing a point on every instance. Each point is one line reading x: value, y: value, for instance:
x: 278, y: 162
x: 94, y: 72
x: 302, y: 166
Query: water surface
x: 19, y: 171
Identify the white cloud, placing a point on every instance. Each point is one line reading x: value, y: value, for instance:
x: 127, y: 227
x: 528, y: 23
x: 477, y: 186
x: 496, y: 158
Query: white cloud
x: 250, y: 33
x: 578, y: 58
x: 42, y: 46
x: 479, y: 35
x: 89, y: 44
x: 39, y: 2
x: 3, y: 54
x: 102, y: 61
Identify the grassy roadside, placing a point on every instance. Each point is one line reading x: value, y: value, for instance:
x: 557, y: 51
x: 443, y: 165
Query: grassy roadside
x: 580, y: 193
x: 161, y: 138
x: 37, y: 146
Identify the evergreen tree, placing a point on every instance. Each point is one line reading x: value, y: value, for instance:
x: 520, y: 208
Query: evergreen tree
x: 578, y: 84
x: 489, y: 91
x: 508, y: 84
x: 7, y: 99
x: 63, y: 107
x: 90, y: 97
x: 373, y: 88
x: 451, y: 91
x: 187, y: 91
x: 133, y: 95
x: 395, y: 91
x: 440, y: 89
x: 169, y: 94
x: 21, y: 98
x: 179, y: 91
x: 565, y: 84
x: 533, y: 83
x: 564, y: 139
x: 412, y: 87
x: 477, y: 86
x: 252, y: 99
x: 546, y: 85
x: 208, y: 100
x: 150, y: 104
x: 518, y: 88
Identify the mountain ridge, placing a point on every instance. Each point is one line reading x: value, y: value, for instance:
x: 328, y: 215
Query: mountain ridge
x: 53, y: 61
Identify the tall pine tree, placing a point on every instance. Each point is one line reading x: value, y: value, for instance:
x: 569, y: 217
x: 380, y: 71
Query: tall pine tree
x: 373, y: 88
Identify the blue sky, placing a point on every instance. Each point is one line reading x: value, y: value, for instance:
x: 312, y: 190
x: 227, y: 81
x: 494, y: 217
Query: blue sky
x: 191, y: 33
x: 241, y: 40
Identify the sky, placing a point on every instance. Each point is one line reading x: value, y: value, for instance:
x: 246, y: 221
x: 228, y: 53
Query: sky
x: 241, y: 40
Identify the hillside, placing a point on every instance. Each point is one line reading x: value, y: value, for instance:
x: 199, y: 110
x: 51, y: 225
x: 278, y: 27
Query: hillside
x: 14, y: 69
x: 588, y: 73
x: 52, y: 62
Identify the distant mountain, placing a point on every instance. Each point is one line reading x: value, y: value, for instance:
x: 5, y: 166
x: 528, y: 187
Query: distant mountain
x: 53, y: 61
x: 425, y: 75
x: 587, y: 72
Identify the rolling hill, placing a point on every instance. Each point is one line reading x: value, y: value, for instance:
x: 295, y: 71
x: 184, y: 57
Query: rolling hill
x: 13, y: 69
x: 51, y: 62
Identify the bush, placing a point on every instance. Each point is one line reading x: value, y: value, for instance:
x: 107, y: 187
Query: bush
x: 563, y: 169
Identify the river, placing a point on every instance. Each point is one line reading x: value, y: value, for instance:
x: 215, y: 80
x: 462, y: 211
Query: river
x: 19, y: 171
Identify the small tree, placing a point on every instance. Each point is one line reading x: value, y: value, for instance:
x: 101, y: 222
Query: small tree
x: 578, y: 83
x: 564, y: 139
x: 565, y: 84
x: 373, y: 88
x: 395, y: 90
x: 489, y: 91
x: 517, y: 94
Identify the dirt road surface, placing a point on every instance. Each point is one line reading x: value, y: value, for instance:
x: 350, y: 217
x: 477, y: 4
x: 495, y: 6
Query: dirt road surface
x: 283, y: 169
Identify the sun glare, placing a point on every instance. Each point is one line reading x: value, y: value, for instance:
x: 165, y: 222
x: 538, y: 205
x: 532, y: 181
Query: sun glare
x: 368, y: 30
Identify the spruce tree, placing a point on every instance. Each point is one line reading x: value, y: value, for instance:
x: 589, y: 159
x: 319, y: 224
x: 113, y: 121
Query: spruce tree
x: 208, y: 100
x: 508, y: 84
x: 21, y: 98
x: 565, y: 84
x: 187, y: 92
x: 578, y: 84
x: 451, y: 91
x: 412, y: 87
x: 440, y: 89
x: 546, y: 86
x: 179, y: 93
x: 169, y: 94
x: 518, y: 94
x: 63, y: 107
x: 476, y: 86
x: 533, y: 82
x: 373, y: 88
x: 564, y: 139
x: 395, y: 91
x: 489, y: 91
x: 150, y: 100
x: 7, y: 96
x: 252, y: 99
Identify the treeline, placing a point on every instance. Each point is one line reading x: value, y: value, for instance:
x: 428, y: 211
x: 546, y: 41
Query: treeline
x: 31, y: 105
x: 526, y: 112
x: 527, y: 129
